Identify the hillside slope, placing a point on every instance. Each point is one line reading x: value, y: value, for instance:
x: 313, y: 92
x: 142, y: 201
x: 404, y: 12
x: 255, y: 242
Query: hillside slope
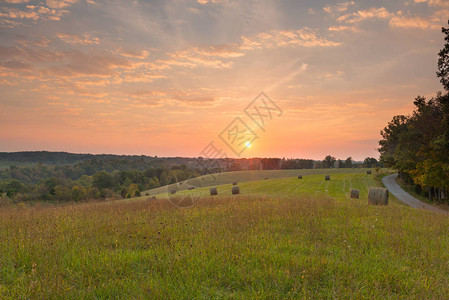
x: 313, y: 243
x: 244, y: 176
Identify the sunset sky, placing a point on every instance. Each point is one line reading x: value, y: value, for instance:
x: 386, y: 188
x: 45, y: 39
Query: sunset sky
x: 167, y: 77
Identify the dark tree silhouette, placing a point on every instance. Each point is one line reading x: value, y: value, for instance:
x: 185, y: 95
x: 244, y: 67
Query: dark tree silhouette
x: 443, y: 61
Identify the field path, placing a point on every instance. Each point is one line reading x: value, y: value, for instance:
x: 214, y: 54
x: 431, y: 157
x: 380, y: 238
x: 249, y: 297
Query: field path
x: 394, y: 188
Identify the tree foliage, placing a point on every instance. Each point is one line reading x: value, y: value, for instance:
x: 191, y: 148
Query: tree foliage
x: 443, y: 61
x: 329, y: 161
x: 418, y: 145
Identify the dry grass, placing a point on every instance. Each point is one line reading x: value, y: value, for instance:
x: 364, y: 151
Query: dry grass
x: 238, y: 246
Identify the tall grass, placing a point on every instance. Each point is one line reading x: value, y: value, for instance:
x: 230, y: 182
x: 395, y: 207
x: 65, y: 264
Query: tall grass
x: 232, y: 247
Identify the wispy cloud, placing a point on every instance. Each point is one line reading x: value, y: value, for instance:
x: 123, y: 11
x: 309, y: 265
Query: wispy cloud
x: 74, y: 39
x: 141, y: 54
x: 410, y: 22
x: 51, y: 10
x: 395, y: 20
x: 305, y: 37
x: 343, y: 28
x: 436, y: 3
x: 361, y: 15
x: 60, y: 3
x: 339, y: 7
x: 222, y: 56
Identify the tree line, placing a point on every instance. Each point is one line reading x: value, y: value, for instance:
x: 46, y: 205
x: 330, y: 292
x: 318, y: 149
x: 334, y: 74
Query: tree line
x: 418, y: 145
x: 103, y: 184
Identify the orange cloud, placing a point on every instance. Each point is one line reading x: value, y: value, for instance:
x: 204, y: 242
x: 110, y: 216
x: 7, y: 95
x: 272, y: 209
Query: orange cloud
x: 60, y: 3
x: 342, y: 28
x: 192, y: 57
x: 210, y: 56
x: 78, y: 63
x: 361, y: 15
x: 184, y: 98
x: 14, y: 13
x: 207, y: 1
x: 83, y: 39
x: 53, y: 12
x: 437, y: 3
x: 340, y: 7
x: 73, y: 63
x: 17, y: 1
x: 409, y: 22
x: 282, y: 38
x: 395, y: 20
x: 220, y: 56
x: 141, y: 54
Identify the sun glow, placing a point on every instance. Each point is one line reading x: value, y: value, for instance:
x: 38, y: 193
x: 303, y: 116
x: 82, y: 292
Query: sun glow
x: 247, y: 144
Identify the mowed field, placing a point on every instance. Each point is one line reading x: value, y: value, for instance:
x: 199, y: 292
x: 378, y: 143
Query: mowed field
x: 338, y: 187
x: 280, y: 238
x: 244, y: 176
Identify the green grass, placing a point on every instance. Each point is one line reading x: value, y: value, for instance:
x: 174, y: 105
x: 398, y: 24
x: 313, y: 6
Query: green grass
x: 244, y: 176
x: 287, y: 238
x: 338, y: 187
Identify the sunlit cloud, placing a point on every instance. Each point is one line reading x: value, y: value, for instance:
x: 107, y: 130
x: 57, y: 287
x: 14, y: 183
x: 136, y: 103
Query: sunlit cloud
x: 339, y: 7
x: 60, y: 3
x: 361, y: 15
x: 84, y: 39
x: 166, y: 73
x: 17, y: 1
x: 409, y: 22
x: 437, y: 3
x: 343, y: 28
x: 141, y: 54
x: 282, y: 38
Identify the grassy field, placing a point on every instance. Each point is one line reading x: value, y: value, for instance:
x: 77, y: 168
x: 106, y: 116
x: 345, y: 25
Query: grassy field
x: 281, y: 238
x: 243, y: 176
x: 338, y: 187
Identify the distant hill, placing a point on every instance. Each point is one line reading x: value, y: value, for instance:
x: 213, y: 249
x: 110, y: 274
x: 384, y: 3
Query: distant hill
x: 57, y: 158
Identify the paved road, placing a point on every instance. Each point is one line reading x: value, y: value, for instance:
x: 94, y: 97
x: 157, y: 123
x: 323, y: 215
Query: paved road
x: 394, y: 188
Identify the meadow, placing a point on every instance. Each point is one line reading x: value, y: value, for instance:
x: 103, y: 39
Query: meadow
x: 244, y: 176
x: 280, y: 238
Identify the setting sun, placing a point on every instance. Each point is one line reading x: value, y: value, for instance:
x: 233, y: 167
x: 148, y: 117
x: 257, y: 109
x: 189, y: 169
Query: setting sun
x: 101, y: 77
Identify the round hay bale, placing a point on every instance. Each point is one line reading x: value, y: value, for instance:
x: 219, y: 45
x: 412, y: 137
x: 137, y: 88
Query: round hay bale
x: 299, y: 176
x: 265, y: 178
x: 327, y: 177
x: 235, y: 183
x: 368, y: 172
x: 235, y: 190
x: 173, y: 192
x: 378, y: 196
x: 191, y: 188
x: 355, y: 193
x: 152, y: 198
x: 213, y: 191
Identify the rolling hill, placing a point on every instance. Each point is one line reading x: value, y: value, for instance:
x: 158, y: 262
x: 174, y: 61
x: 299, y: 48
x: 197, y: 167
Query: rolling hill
x: 280, y: 238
